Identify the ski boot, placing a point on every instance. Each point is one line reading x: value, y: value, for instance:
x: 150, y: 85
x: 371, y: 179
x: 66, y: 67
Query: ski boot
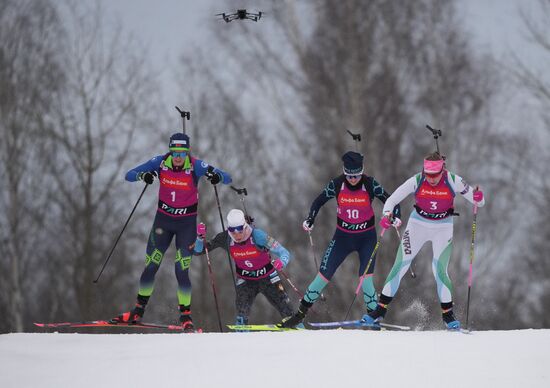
x: 134, y: 316
x: 185, y: 319
x: 241, y: 321
x: 372, y: 319
x: 295, y: 321
x: 450, y: 321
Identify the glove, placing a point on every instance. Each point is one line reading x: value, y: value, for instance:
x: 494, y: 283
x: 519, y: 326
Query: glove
x: 385, y: 222
x: 278, y: 264
x: 396, y: 223
x: 308, y: 224
x: 201, y: 231
x: 147, y: 177
x: 478, y: 195
x: 213, y: 177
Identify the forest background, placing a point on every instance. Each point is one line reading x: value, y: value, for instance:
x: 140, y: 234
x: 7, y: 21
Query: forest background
x: 82, y: 101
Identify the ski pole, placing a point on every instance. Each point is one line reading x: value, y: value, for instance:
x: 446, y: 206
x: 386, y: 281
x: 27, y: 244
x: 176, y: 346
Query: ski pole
x: 287, y: 278
x: 213, y: 282
x: 365, y: 273
x: 120, y: 234
x: 184, y: 115
x: 322, y: 297
x: 470, y: 274
x: 223, y: 228
x: 356, y: 138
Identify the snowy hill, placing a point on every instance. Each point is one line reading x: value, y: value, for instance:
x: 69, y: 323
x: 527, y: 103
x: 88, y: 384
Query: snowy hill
x: 337, y: 358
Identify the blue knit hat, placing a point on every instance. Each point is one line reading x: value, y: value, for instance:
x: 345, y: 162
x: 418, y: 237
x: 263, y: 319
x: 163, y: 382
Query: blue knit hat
x: 179, y: 142
x: 353, y: 163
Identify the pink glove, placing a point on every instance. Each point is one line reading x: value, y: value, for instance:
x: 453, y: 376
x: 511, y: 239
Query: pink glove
x: 201, y: 230
x: 385, y: 222
x: 278, y: 264
x: 478, y: 195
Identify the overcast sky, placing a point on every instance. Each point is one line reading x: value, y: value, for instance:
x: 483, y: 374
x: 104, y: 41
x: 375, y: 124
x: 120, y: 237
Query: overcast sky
x: 169, y: 27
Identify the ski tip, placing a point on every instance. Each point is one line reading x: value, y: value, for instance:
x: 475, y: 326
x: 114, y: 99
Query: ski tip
x: 38, y: 324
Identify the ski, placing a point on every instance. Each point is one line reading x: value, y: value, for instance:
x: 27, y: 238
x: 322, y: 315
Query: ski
x: 140, y: 325
x: 357, y: 324
x: 261, y: 328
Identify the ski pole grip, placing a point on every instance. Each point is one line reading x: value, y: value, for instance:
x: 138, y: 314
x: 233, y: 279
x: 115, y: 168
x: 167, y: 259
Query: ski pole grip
x: 201, y: 230
x: 239, y: 191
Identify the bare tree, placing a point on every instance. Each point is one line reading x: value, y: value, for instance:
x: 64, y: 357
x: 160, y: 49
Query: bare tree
x: 527, y: 290
x: 30, y: 72
x: 100, y: 111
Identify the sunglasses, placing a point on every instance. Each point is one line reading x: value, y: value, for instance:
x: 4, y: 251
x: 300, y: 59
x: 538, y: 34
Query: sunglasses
x: 433, y: 175
x: 179, y: 154
x: 353, y: 176
x: 234, y: 229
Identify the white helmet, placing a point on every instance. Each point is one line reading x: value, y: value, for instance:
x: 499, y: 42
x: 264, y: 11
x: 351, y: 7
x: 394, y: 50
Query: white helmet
x: 235, y: 217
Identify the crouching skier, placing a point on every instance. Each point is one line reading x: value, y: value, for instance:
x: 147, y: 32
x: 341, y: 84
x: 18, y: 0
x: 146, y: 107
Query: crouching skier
x: 355, y: 231
x: 251, y: 249
x: 178, y: 174
x: 431, y: 220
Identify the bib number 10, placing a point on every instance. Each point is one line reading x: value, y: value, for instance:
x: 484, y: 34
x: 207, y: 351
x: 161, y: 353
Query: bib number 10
x: 353, y: 213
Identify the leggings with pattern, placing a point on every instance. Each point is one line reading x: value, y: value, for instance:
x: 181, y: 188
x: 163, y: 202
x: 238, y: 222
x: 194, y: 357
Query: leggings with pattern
x: 162, y: 232
x: 341, y: 245
x: 417, y: 233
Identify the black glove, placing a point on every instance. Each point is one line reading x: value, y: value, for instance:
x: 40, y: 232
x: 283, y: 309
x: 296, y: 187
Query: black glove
x: 213, y: 177
x: 147, y: 177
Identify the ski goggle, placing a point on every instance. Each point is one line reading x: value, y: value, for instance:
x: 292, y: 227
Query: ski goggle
x: 234, y: 229
x: 176, y: 154
x: 353, y: 176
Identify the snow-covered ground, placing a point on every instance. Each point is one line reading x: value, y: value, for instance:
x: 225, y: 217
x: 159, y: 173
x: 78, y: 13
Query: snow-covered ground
x: 335, y: 359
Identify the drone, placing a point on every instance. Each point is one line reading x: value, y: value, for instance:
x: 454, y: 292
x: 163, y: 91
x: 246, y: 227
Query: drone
x: 240, y: 14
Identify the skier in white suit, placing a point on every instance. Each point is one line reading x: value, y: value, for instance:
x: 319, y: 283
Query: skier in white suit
x: 431, y: 220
